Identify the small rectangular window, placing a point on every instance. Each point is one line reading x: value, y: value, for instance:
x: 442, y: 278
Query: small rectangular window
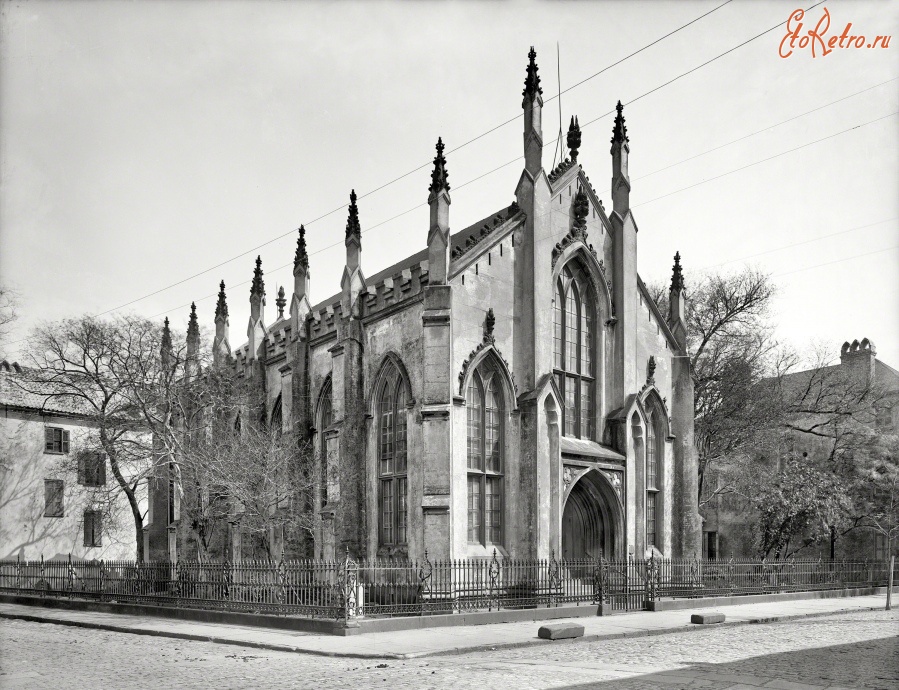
x: 93, y: 528
x: 53, y: 498
x: 56, y: 440
x: 92, y: 469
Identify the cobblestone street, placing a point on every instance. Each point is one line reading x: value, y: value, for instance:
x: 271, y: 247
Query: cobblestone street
x: 858, y: 650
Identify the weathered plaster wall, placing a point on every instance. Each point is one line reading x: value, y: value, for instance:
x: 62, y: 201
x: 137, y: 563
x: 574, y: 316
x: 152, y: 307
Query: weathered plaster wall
x: 24, y: 530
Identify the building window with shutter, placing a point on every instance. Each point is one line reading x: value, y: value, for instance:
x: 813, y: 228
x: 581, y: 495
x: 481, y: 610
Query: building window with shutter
x: 56, y: 440
x: 92, y: 469
x: 53, y: 493
x: 93, y: 528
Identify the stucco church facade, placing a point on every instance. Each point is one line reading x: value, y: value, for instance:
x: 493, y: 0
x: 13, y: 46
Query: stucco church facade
x: 510, y: 386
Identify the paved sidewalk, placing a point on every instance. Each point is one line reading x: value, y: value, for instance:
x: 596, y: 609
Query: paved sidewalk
x: 408, y: 644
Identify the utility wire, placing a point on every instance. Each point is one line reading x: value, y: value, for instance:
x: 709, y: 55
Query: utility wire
x: 798, y: 244
x: 657, y: 88
x: 764, y: 129
x: 838, y: 261
x: 764, y: 160
x: 413, y: 171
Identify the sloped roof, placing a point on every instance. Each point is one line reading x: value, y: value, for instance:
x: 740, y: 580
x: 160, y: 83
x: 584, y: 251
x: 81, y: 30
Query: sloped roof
x: 16, y: 392
x: 885, y: 375
x: 459, y: 239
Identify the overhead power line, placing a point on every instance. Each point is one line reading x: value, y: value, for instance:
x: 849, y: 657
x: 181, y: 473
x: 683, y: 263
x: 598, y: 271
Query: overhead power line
x: 343, y: 206
x: 414, y: 170
x: 838, y: 261
x: 764, y: 160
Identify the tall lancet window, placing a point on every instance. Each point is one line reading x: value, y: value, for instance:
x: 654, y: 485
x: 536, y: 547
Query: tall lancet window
x: 392, y: 458
x: 652, y: 473
x: 574, y: 351
x: 277, y: 420
x: 325, y: 419
x: 484, y: 403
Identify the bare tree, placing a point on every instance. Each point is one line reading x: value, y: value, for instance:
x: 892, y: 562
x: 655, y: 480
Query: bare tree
x: 256, y: 476
x: 127, y: 387
x: 9, y: 302
x: 877, y: 489
x: 731, y: 352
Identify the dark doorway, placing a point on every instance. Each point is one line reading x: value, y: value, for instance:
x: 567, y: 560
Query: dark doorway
x: 583, y: 532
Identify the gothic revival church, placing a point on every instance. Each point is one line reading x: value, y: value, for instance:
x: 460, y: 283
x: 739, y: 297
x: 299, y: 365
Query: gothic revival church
x: 511, y: 386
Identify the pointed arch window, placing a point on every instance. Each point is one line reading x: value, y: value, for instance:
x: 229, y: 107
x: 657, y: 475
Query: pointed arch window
x: 277, y: 419
x: 574, y: 348
x: 392, y: 458
x: 652, y: 476
x: 485, y: 408
x: 325, y: 419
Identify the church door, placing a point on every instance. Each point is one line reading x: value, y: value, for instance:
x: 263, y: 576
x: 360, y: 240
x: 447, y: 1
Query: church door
x: 583, y: 533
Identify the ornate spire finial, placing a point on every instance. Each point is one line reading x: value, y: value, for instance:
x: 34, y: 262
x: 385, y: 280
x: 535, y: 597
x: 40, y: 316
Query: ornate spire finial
x: 281, y: 302
x: 221, y: 307
x: 677, y: 275
x: 619, y: 131
x: 489, y: 323
x: 439, y: 174
x: 193, y: 328
x: 352, y: 223
x: 532, y: 83
x: 166, y: 344
x: 574, y: 138
x: 302, y: 257
x: 651, y: 371
x: 258, y: 286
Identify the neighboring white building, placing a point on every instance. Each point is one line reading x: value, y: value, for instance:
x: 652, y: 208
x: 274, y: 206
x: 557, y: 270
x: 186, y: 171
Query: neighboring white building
x: 56, y: 498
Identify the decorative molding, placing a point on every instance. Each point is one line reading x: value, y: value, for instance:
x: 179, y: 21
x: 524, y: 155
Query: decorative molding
x: 475, y: 239
x: 578, y: 232
x: 561, y: 169
x: 615, y: 480
x: 487, y: 342
x: 441, y: 318
x: 434, y: 414
x: 574, y: 138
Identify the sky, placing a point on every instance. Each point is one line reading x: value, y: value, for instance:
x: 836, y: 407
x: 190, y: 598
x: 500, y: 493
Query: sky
x: 149, y: 150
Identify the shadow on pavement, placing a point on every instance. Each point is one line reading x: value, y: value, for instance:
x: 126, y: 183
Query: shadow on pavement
x: 868, y: 664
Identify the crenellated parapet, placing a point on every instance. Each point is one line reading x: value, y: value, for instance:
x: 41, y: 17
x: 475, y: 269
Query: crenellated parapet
x: 395, y: 289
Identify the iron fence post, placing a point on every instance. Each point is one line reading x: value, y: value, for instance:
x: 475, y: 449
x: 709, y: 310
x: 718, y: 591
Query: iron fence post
x: 493, y: 576
x: 424, y: 584
x: 555, y: 579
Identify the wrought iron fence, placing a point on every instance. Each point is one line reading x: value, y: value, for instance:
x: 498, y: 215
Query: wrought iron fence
x: 346, y: 589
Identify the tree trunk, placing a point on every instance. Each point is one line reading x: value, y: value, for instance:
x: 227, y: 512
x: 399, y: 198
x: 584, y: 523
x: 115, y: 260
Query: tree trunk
x: 129, y: 494
x: 833, y: 542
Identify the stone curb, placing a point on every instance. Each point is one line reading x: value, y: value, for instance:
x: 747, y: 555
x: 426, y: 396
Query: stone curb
x: 636, y: 633
x: 418, y: 655
x: 191, y: 636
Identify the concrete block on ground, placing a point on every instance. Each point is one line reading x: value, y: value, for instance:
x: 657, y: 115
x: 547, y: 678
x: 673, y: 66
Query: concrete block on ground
x: 706, y: 618
x: 560, y: 631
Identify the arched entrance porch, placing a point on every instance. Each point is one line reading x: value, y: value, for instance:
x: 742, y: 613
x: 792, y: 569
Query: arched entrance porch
x: 592, y: 519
